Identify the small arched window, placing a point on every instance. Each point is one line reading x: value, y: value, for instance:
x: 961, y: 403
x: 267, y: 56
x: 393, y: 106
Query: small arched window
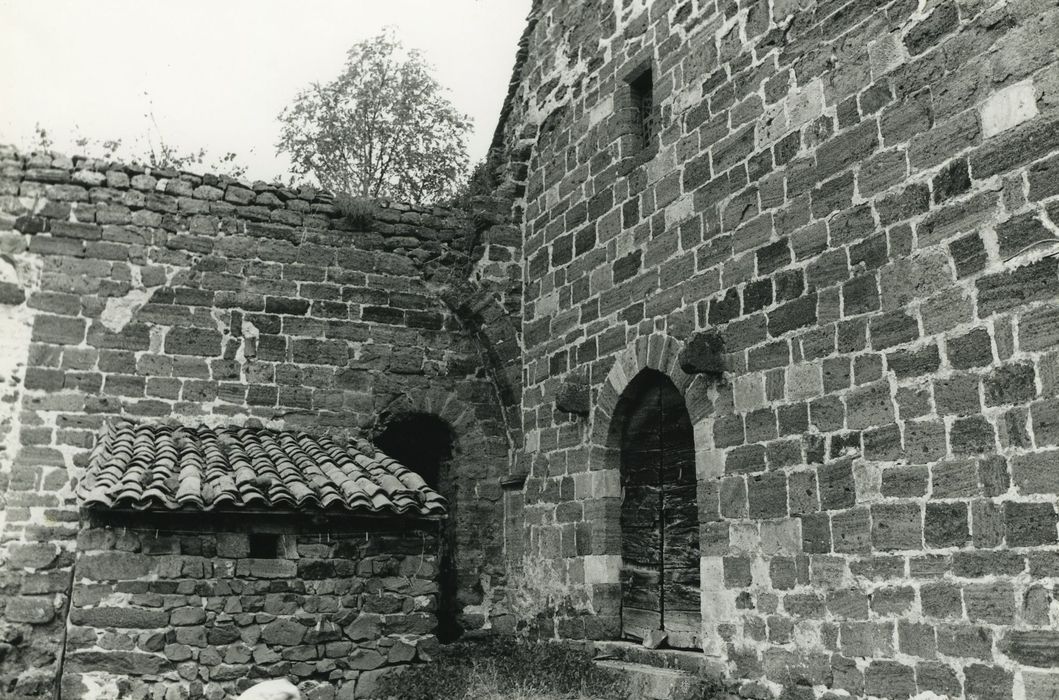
x: 420, y: 441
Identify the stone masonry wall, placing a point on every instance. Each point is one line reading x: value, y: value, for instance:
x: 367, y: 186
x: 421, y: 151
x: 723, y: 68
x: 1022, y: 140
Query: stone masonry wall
x: 158, y: 613
x: 862, y: 199
x: 166, y: 296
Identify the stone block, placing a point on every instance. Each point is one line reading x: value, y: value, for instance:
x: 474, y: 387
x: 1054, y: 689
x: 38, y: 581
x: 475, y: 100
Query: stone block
x: 34, y: 610
x: 963, y: 640
x: 703, y: 354
x: 946, y: 525
x: 573, y: 395
x: 1030, y: 524
x: 992, y: 603
x: 1038, y: 648
x: 896, y: 526
x: 114, y: 566
x: 836, y: 484
x: 1007, y: 108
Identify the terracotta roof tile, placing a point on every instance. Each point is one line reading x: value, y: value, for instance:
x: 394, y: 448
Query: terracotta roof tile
x: 154, y: 467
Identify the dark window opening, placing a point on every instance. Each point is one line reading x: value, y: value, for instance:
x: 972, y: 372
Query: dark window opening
x: 419, y: 441
x: 264, y: 545
x: 643, y: 104
x: 423, y: 443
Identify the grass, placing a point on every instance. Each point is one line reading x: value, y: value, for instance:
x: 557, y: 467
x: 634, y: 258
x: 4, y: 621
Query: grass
x: 498, y: 669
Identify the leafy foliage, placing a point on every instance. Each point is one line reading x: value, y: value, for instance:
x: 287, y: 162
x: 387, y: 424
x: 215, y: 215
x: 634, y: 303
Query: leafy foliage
x: 383, y: 128
x: 150, y: 149
x: 504, y: 668
x: 359, y: 212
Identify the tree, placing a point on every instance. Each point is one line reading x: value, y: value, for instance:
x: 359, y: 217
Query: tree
x: 383, y: 128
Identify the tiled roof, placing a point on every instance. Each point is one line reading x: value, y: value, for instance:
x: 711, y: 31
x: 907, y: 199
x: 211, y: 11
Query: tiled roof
x: 154, y: 467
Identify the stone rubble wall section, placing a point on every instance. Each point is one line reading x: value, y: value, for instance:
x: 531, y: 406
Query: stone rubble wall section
x: 158, y: 614
x: 852, y: 193
x: 160, y: 295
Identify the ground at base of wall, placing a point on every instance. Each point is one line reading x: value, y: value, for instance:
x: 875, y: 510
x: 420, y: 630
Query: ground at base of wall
x: 504, y: 667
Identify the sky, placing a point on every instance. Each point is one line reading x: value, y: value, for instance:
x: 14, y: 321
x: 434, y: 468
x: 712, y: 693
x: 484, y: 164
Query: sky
x: 216, y: 73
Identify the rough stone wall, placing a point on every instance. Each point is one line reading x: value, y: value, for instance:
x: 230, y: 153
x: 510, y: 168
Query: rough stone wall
x: 159, y: 295
x: 189, y: 614
x: 852, y: 194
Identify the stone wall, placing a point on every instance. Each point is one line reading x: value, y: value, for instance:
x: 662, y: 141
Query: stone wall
x: 166, y: 296
x: 851, y: 194
x: 189, y: 614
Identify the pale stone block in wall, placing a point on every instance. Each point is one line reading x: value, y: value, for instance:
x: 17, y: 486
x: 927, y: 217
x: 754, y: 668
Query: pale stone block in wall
x: 749, y: 391
x: 680, y: 210
x: 709, y: 463
x: 602, y: 568
x: 868, y: 479
x: 885, y: 54
x: 718, y: 603
x: 806, y: 103
x: 772, y: 125
x: 1040, y: 685
x: 601, y: 111
x: 804, y: 381
x: 781, y: 536
x: 1008, y: 108
x: 606, y: 483
x: 744, y: 537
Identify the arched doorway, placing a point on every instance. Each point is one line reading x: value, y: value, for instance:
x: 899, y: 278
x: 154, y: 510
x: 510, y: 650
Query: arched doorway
x: 423, y: 442
x: 659, y: 513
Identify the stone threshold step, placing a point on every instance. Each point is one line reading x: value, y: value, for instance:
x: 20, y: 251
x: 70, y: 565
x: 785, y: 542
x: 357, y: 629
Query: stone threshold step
x: 693, y: 662
x: 653, y: 683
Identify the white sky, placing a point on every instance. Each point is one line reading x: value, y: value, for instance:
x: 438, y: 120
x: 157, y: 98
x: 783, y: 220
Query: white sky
x: 216, y: 73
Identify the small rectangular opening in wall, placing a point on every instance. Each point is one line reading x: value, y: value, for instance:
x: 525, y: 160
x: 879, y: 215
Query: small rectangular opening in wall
x: 642, y: 92
x: 264, y: 545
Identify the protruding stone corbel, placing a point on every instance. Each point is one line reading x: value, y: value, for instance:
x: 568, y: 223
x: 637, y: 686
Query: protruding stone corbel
x: 704, y: 354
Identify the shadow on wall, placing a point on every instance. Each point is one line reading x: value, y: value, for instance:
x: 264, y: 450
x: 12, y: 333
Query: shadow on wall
x: 424, y: 442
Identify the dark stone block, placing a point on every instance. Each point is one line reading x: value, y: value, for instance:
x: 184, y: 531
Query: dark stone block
x: 1020, y: 232
x: 951, y: 181
x: 945, y: 525
x: 969, y: 255
x: 767, y: 495
x: 836, y: 485
x: 1011, y: 290
x: 1029, y: 524
x: 889, y: 679
x: 1010, y: 384
x: 1015, y: 147
x: 892, y: 328
x: 938, y: 678
x: 914, y: 363
x: 974, y: 349
x: 193, y: 341
x: 816, y: 533
x: 1038, y: 648
x: 896, y: 526
x: 972, y: 435
x: 941, y: 599
x: 627, y: 267
x: 796, y: 314
x: 703, y: 354
x: 573, y: 395
x: 724, y: 309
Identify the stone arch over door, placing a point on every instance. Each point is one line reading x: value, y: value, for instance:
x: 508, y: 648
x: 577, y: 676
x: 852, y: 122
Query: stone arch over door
x: 647, y: 398
x: 472, y: 558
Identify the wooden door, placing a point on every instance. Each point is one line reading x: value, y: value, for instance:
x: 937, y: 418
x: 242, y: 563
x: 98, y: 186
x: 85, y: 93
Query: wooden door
x: 659, y: 516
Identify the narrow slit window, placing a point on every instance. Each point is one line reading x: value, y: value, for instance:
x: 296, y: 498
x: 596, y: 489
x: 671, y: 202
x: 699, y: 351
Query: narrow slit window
x: 643, y: 98
x: 264, y: 545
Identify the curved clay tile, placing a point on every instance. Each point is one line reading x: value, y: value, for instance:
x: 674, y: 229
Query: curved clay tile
x: 202, y: 468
